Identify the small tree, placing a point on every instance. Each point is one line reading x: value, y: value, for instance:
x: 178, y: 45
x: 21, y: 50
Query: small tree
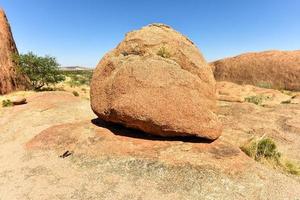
x: 42, y: 71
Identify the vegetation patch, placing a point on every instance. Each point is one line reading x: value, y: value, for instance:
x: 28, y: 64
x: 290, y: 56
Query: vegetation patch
x: 7, y: 103
x: 264, y: 150
x: 163, y: 52
x: 41, y: 70
x: 292, y: 168
x: 258, y: 100
x: 79, y: 77
x: 266, y: 85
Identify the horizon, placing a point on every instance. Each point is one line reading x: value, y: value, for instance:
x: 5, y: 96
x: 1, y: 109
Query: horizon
x: 79, y: 33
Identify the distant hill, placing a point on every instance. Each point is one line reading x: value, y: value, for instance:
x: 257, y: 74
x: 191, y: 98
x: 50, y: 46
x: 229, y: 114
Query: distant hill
x: 74, y: 68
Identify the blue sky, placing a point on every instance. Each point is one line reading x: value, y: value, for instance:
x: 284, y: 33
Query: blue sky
x: 80, y: 32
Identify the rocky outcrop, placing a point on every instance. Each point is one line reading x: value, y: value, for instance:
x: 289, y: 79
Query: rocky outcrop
x: 156, y: 80
x: 10, y: 78
x: 231, y: 92
x: 275, y: 69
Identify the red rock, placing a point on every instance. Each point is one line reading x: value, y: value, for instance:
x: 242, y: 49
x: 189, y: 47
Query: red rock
x: 10, y: 78
x: 276, y: 69
x: 157, y: 81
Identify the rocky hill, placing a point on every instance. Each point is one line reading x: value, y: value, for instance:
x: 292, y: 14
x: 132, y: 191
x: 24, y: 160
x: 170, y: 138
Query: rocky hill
x: 10, y: 78
x: 274, y: 69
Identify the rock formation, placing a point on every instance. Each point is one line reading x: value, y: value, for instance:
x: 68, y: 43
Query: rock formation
x: 10, y: 78
x: 276, y: 69
x: 157, y: 81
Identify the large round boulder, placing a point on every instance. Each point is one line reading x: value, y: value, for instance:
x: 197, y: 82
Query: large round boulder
x: 157, y: 81
x: 272, y: 69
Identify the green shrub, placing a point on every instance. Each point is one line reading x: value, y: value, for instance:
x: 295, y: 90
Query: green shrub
x: 7, y: 103
x: 266, y: 148
x: 80, y: 77
x: 75, y: 93
x: 163, y: 53
x: 42, y: 71
x: 255, y: 99
x: 262, y: 148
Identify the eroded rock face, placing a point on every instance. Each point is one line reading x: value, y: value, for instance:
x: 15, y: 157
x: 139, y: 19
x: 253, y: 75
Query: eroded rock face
x: 276, y: 69
x: 10, y: 78
x: 157, y: 81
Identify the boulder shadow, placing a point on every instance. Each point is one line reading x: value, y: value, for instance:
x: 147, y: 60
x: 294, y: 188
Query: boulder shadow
x: 121, y: 130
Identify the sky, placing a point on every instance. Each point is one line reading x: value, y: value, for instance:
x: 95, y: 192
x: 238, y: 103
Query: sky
x: 80, y: 32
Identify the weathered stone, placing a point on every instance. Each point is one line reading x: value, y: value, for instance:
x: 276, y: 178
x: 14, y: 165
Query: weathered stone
x: 157, y: 81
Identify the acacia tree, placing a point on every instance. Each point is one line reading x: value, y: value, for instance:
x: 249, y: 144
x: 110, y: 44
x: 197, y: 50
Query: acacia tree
x: 42, y: 71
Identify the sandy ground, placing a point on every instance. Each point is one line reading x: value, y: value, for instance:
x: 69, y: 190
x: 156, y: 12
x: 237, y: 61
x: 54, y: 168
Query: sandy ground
x: 111, y: 162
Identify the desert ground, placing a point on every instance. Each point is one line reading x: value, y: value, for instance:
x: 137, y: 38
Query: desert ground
x: 106, y: 161
x: 153, y: 120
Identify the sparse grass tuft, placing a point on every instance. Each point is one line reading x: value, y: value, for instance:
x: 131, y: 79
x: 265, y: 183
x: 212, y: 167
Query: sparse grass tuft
x: 163, y: 53
x: 266, y: 85
x: 292, y: 168
x: 7, y: 103
x: 264, y: 150
x: 255, y: 99
x: 78, y: 78
x: 75, y: 93
x: 287, y: 92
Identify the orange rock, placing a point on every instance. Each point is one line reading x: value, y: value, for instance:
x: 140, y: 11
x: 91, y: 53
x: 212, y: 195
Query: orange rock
x: 276, y: 69
x: 157, y: 81
x: 10, y: 79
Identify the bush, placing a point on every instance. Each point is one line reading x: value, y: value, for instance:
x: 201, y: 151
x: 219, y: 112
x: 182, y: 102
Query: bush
x: 75, y: 93
x: 163, y: 53
x: 266, y: 148
x: 265, y: 151
x: 255, y: 99
x: 7, y: 103
x: 42, y: 71
x: 262, y: 148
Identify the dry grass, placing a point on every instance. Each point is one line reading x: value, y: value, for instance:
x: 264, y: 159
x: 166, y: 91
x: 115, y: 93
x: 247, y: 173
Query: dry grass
x: 264, y: 150
x: 292, y: 168
x: 7, y: 103
x: 163, y: 52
